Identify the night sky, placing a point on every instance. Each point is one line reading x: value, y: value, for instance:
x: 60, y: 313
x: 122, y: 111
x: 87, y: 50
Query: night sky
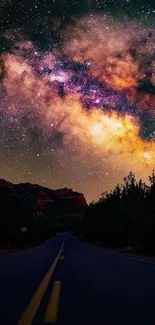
x: 77, y: 92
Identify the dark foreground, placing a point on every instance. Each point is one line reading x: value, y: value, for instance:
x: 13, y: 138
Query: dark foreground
x: 89, y: 285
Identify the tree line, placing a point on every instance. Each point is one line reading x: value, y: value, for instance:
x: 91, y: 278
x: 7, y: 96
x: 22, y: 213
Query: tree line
x: 124, y: 217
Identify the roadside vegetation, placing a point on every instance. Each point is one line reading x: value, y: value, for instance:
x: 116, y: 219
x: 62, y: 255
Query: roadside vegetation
x: 123, y: 218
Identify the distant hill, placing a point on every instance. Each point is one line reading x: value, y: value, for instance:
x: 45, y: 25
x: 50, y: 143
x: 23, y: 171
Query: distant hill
x: 38, y: 198
x: 35, y: 206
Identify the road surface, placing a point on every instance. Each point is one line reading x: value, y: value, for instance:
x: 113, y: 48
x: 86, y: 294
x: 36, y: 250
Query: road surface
x: 70, y: 282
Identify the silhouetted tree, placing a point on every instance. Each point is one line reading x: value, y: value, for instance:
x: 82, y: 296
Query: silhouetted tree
x: 124, y: 217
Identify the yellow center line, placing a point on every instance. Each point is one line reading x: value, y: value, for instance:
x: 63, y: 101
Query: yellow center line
x: 30, y: 311
x: 53, y: 304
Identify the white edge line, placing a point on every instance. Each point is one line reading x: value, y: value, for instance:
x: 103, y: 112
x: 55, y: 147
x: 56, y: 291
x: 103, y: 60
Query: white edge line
x: 131, y: 258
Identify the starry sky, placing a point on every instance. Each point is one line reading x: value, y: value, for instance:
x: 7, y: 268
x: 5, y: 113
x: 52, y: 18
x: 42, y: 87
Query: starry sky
x: 77, y: 92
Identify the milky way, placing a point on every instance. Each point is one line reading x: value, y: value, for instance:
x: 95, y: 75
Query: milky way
x: 81, y: 113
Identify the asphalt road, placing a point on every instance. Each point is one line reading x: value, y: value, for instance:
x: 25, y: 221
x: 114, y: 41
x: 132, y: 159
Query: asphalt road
x: 70, y: 282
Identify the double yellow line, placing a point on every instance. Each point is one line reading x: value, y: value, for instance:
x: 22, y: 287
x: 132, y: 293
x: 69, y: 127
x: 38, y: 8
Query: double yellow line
x: 51, y: 313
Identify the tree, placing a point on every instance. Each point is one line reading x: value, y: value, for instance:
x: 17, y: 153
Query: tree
x: 152, y: 178
x: 124, y: 216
